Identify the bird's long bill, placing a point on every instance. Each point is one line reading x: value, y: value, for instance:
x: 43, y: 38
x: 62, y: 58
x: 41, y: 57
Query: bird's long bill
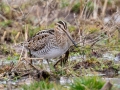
x: 70, y: 38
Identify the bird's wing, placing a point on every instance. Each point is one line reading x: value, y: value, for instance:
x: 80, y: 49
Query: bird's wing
x: 39, y: 40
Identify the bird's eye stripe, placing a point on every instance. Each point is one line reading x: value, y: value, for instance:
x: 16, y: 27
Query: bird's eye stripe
x: 62, y: 24
x: 59, y: 26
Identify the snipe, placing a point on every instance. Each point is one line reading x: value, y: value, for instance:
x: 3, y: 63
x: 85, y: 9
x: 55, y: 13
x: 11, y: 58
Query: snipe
x: 50, y: 43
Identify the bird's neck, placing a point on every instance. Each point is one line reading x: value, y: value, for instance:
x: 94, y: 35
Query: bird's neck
x: 59, y: 34
x: 62, y: 38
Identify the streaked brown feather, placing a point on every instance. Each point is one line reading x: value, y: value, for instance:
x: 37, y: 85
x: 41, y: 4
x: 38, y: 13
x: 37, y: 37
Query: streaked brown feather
x: 39, y: 40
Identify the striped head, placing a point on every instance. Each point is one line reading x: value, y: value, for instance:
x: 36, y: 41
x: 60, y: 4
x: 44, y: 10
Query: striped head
x: 61, y: 26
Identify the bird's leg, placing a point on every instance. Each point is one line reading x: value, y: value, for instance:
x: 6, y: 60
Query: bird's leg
x: 63, y: 60
x: 48, y: 62
x: 30, y: 55
x: 57, y: 62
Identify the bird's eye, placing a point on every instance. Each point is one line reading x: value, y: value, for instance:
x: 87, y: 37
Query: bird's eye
x: 59, y: 26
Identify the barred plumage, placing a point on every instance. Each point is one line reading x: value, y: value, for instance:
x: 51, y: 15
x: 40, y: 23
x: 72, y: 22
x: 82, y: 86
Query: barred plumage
x: 51, y: 43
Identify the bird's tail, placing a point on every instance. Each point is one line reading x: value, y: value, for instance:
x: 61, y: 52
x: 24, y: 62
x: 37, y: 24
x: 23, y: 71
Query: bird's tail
x: 25, y: 44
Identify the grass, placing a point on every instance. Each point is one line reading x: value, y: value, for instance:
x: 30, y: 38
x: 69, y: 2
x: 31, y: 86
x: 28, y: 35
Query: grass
x: 5, y: 23
x: 76, y: 8
x: 64, y: 3
x: 87, y: 83
x: 84, y: 83
x: 81, y: 83
x: 43, y: 85
x: 13, y: 58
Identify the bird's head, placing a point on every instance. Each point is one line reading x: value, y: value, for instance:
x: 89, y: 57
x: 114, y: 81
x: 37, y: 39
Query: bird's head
x: 61, y: 26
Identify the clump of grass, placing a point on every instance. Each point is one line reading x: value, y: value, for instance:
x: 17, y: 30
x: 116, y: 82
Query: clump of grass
x: 6, y: 23
x: 76, y: 8
x: 87, y: 83
x: 90, y: 5
x: 42, y: 85
x: 5, y: 8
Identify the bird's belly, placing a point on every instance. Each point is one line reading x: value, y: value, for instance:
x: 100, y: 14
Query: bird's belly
x: 53, y: 53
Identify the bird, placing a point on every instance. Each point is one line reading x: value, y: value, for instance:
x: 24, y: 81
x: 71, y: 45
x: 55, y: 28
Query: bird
x: 50, y: 43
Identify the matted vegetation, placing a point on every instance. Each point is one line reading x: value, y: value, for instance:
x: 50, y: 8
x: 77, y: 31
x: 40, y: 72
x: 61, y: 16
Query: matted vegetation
x: 94, y: 25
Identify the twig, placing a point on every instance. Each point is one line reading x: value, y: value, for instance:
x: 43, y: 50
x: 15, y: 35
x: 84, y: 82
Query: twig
x: 107, y: 86
x: 32, y: 58
x: 26, y: 59
x: 19, y: 59
x: 3, y: 37
x: 16, y: 37
x: 104, y: 8
x: 95, y: 11
x: 4, y: 18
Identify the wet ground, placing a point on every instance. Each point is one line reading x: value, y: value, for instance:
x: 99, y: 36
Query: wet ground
x: 25, y: 74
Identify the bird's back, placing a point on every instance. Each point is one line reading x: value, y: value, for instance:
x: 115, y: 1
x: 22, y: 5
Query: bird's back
x: 39, y: 40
